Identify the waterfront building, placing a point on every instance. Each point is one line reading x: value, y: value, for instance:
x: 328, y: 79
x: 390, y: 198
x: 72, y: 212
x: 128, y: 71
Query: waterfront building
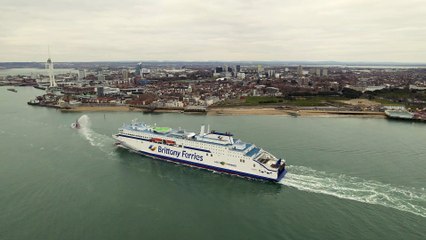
x: 49, y: 66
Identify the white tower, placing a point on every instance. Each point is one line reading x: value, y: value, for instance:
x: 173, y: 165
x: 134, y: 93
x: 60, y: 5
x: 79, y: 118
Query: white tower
x: 49, y: 66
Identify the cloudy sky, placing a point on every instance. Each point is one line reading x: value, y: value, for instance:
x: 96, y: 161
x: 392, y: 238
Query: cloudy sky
x: 90, y: 30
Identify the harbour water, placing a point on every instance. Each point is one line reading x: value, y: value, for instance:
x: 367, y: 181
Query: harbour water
x: 33, y: 72
x: 349, y: 178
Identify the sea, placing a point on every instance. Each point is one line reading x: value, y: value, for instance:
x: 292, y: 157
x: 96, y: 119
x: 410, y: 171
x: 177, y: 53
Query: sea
x: 33, y: 72
x: 348, y: 178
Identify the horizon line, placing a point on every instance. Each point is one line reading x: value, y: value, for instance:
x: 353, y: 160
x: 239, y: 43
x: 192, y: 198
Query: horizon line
x: 234, y: 61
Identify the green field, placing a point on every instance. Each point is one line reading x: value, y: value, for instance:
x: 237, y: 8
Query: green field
x: 387, y: 102
x: 262, y: 100
x: 305, y: 101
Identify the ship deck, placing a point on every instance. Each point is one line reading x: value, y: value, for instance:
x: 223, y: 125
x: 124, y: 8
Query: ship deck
x: 237, y: 145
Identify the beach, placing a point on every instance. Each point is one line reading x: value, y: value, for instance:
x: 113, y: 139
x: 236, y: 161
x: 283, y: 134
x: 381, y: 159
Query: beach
x: 229, y: 111
x: 276, y: 111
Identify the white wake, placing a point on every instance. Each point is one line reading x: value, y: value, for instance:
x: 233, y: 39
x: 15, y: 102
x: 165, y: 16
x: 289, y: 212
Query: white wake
x: 402, y: 198
x: 95, y: 139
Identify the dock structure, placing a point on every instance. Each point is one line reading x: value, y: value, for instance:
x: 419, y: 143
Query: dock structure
x: 195, y: 109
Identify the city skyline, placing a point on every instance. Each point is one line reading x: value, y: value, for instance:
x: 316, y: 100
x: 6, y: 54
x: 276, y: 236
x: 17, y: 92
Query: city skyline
x: 268, y: 30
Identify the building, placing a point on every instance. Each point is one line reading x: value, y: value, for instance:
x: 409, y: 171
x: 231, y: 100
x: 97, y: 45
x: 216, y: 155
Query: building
x: 125, y: 74
x: 101, y: 77
x: 138, y: 70
x: 271, y: 73
x: 241, y: 75
x: 82, y: 74
x: 300, y: 71
x: 218, y: 70
x: 318, y: 72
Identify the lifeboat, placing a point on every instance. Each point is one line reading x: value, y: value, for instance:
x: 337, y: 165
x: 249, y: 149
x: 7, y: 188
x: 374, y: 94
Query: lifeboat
x: 156, y: 140
x: 170, y: 142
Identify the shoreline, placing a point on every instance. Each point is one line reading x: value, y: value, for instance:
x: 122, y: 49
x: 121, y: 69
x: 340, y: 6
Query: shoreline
x: 294, y: 113
x: 235, y: 111
x: 123, y: 108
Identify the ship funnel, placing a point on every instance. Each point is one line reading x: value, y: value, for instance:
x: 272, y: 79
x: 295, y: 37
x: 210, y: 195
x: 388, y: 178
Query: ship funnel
x: 202, y: 130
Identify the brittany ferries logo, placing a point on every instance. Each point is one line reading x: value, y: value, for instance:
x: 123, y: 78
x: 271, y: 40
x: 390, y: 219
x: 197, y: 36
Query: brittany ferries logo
x: 152, y: 148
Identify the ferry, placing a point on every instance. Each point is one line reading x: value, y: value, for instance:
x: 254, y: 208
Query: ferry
x: 212, y: 150
x: 399, y: 114
x: 403, y: 114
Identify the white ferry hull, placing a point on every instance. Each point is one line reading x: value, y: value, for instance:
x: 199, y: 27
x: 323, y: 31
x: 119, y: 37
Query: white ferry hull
x: 196, y: 158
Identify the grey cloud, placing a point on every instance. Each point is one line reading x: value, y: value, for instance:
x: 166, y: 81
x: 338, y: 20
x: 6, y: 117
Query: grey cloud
x: 348, y: 30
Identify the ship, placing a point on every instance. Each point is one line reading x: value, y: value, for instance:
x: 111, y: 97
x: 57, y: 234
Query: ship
x: 404, y: 114
x: 41, y: 87
x: 211, y: 150
x: 399, y: 114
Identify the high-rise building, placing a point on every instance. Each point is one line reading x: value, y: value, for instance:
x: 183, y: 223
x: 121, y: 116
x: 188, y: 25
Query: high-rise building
x: 218, y: 70
x: 138, y: 71
x: 300, y: 71
x: 81, y: 74
x: 318, y: 72
x: 238, y: 68
x: 125, y: 74
x: 260, y: 68
x: 325, y: 72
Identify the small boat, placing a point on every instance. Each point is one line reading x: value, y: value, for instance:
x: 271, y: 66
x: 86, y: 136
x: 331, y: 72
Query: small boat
x: 75, y: 124
x: 40, y: 87
x: 34, y: 102
x: 12, y: 90
x: 294, y: 113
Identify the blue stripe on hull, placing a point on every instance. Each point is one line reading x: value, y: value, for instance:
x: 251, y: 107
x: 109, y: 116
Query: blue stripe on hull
x: 211, y: 167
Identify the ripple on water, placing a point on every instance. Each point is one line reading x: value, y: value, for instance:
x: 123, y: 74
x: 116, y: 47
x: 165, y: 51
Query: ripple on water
x: 339, y: 185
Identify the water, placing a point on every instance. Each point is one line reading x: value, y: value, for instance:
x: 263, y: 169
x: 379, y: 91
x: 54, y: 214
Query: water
x: 349, y: 178
x: 33, y: 71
